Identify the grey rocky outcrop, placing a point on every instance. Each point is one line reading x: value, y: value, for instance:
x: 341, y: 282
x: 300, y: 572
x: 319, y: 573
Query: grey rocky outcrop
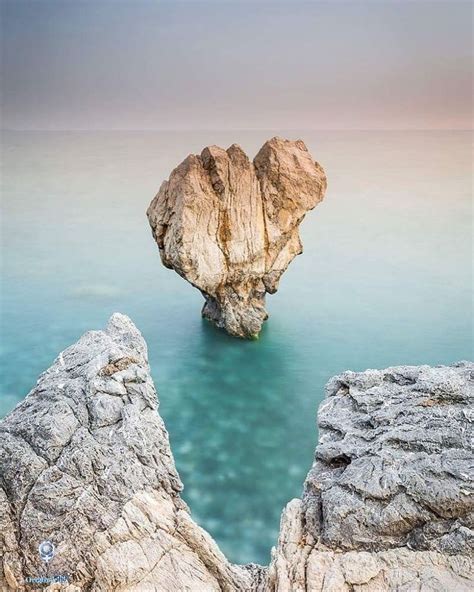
x: 85, y: 462
x: 394, y: 463
x: 229, y: 226
x: 389, y: 501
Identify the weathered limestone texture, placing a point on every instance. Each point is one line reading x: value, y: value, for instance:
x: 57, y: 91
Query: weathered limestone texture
x: 230, y: 227
x: 302, y: 564
x: 388, y: 504
x: 85, y: 463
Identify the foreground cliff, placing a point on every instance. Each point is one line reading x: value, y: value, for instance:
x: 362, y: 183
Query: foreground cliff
x: 230, y: 226
x: 85, y: 463
x: 388, y: 503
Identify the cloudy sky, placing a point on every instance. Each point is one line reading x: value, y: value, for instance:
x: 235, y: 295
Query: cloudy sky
x: 151, y: 64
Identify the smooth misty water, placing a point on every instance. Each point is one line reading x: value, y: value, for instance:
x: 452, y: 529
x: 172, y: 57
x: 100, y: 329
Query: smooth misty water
x: 385, y: 279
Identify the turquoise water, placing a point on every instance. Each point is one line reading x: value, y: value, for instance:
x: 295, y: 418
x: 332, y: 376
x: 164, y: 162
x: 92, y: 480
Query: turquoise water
x: 385, y: 279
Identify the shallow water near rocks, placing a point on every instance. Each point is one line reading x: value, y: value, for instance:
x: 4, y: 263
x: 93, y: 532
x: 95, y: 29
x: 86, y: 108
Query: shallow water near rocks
x: 384, y: 280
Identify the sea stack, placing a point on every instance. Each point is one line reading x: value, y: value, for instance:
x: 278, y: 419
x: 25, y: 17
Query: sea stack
x: 229, y: 226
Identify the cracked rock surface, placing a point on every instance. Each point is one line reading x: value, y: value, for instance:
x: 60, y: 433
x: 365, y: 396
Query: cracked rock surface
x: 388, y: 504
x: 229, y: 226
x: 85, y: 463
x: 302, y: 564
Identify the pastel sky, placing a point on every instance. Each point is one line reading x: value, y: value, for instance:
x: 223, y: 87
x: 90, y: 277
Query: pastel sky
x: 151, y: 64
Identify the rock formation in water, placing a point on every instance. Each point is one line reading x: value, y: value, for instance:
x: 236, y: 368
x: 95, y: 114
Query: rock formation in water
x: 230, y: 226
x: 85, y: 463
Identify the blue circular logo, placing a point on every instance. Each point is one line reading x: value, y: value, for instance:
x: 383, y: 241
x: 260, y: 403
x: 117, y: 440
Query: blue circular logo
x: 46, y: 550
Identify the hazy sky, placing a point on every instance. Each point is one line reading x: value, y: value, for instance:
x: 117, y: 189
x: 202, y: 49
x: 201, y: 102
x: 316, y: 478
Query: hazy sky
x: 140, y: 64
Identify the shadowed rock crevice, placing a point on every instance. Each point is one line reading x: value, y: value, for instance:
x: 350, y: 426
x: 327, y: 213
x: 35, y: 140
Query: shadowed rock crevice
x: 230, y: 227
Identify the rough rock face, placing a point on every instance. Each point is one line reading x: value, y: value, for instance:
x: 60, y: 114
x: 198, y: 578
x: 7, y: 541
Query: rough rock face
x: 301, y: 564
x: 388, y: 503
x: 394, y: 461
x: 85, y: 463
x: 230, y: 227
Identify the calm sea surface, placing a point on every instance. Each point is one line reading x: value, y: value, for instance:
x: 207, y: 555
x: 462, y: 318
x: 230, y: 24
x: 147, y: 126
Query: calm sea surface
x: 385, y: 279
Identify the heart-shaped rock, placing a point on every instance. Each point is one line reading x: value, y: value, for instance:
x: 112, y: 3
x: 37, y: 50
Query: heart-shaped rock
x: 230, y: 226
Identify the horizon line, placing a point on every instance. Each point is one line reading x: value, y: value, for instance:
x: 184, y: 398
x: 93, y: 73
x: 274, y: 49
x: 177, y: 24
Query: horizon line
x: 243, y: 129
